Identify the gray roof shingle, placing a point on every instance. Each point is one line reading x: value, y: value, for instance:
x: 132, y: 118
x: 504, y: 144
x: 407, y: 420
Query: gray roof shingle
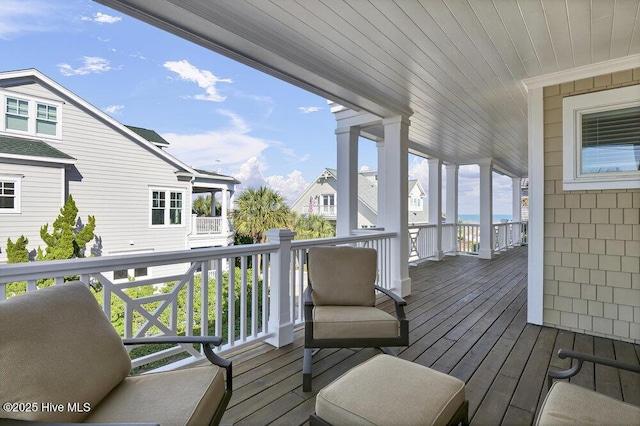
x: 30, y: 148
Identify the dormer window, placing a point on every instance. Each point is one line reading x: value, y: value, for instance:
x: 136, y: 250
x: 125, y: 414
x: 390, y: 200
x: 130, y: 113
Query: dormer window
x: 32, y: 117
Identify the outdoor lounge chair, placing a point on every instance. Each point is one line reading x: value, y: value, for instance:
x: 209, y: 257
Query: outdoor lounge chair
x: 570, y: 404
x: 339, y: 305
x: 61, y: 360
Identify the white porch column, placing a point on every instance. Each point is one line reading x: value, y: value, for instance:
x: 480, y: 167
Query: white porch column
x: 452, y: 204
x: 347, y: 199
x: 280, y: 298
x: 486, y: 209
x: 435, y: 202
x: 224, y: 226
x: 516, y: 213
x: 396, y: 189
x: 381, y: 218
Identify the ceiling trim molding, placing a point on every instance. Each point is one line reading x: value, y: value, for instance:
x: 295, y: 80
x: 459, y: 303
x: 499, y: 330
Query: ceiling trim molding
x: 591, y: 70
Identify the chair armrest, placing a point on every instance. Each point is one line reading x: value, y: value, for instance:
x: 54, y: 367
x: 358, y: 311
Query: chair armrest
x: 308, y: 301
x: 399, y: 300
x: 206, y: 341
x: 211, y: 340
x: 581, y: 358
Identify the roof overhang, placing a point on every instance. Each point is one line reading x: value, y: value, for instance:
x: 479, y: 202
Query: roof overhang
x: 455, y: 67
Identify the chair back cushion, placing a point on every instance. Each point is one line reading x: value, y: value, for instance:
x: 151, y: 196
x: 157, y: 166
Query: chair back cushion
x: 57, y: 349
x: 342, y: 275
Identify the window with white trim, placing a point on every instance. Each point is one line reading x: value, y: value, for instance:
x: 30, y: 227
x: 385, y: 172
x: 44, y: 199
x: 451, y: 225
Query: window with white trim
x: 167, y: 207
x: 34, y: 117
x: 9, y: 194
x: 601, y: 140
x: 415, y: 203
x: 124, y: 274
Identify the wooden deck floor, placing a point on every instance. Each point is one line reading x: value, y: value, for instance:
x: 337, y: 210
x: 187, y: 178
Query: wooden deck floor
x: 468, y: 319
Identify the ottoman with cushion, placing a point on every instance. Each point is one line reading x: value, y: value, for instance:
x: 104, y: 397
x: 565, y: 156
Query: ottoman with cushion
x: 386, y: 390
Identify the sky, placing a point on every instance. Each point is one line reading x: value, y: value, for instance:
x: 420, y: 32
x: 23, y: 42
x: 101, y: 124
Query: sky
x: 217, y: 114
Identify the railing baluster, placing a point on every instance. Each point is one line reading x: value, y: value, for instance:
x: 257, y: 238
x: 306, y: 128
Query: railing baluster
x: 255, y: 289
x: 243, y: 299
x: 204, y: 299
x: 231, y: 309
x: 266, y: 282
x: 219, y: 293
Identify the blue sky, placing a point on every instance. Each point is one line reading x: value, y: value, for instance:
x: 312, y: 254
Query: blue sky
x: 216, y: 113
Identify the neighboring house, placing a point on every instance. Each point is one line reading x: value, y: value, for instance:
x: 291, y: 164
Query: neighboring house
x: 54, y: 144
x: 320, y: 198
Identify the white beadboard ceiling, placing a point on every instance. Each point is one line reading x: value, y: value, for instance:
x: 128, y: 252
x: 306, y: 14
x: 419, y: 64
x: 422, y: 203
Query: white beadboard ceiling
x: 455, y: 66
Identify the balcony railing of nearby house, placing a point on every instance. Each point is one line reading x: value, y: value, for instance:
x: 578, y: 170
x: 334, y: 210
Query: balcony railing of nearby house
x: 327, y: 210
x: 267, y: 278
x: 462, y: 238
x: 207, y: 225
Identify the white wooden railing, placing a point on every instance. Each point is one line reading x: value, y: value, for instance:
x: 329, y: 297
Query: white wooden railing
x: 208, y: 225
x: 462, y: 238
x: 176, y: 300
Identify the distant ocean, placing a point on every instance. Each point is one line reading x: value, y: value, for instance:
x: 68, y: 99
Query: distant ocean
x: 475, y: 218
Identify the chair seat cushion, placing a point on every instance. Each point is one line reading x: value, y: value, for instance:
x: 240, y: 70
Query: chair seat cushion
x: 181, y: 397
x: 568, y: 404
x: 349, y: 322
x: 390, y: 391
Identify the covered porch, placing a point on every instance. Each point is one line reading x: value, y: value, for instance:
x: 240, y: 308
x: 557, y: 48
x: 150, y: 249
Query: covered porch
x: 468, y: 319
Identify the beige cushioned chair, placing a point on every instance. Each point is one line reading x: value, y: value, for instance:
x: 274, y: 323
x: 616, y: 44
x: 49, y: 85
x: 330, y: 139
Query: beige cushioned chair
x: 569, y: 404
x: 340, y: 307
x: 59, y: 349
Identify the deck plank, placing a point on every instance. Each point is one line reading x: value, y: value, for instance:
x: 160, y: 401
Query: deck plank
x: 467, y: 317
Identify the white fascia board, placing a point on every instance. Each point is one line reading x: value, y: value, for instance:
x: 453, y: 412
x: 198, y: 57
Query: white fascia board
x: 34, y: 158
x: 586, y: 71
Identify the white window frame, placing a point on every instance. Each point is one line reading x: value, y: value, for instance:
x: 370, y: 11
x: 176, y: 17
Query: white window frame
x: 33, y: 115
x: 573, y: 108
x: 167, y: 207
x: 17, y: 181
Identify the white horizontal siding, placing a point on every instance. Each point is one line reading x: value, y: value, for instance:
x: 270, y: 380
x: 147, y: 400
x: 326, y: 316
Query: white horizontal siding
x: 41, y: 196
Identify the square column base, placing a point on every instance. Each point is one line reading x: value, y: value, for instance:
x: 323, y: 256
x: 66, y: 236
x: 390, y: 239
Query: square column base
x: 283, y: 335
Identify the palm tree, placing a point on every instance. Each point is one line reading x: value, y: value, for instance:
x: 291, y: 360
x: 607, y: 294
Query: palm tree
x: 258, y: 210
x: 202, y: 205
x: 313, y: 226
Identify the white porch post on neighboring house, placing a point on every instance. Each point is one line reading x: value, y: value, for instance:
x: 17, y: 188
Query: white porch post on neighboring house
x: 452, y: 203
x: 280, y: 298
x: 486, y: 209
x: 435, y: 202
x: 396, y: 189
x: 347, y: 197
x: 516, y: 213
x: 224, y: 226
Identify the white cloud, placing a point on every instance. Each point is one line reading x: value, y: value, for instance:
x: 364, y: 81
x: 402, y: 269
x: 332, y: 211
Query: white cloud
x: 113, y: 109
x: 102, y: 18
x: 19, y: 17
x: 310, y: 109
x: 251, y: 175
x: 229, y: 146
x: 290, y: 186
x: 91, y: 65
x: 203, y: 78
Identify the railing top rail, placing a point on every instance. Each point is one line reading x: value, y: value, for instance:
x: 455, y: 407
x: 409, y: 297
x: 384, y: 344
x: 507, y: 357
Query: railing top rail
x: 361, y: 236
x: 35, y: 270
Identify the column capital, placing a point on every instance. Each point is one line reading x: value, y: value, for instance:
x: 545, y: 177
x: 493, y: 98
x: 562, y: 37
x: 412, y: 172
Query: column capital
x: 395, y: 120
x: 434, y: 161
x: 452, y: 166
x: 485, y: 162
x: 350, y: 130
